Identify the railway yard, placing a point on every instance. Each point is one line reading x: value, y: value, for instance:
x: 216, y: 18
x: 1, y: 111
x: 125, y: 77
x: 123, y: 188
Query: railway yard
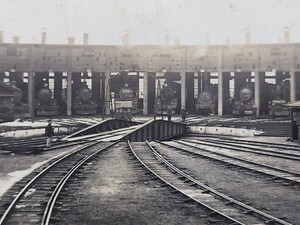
x: 103, y: 178
x: 165, y: 113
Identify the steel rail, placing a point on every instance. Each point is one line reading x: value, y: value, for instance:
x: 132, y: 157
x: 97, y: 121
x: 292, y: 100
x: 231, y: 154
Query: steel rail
x: 287, y: 146
x: 238, y: 159
x: 271, y: 147
x: 178, y: 190
x: 217, y: 193
x: 51, y: 202
x: 251, y: 149
x: 31, y: 182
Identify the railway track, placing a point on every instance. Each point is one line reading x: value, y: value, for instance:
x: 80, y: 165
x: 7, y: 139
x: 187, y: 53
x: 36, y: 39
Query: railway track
x: 223, y: 207
x: 34, y: 203
x: 194, y: 149
x: 290, y: 154
x: 37, y: 144
x: 36, y: 195
x: 285, y: 146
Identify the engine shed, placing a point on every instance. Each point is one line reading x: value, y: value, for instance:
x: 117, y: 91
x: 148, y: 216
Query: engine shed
x: 75, y: 79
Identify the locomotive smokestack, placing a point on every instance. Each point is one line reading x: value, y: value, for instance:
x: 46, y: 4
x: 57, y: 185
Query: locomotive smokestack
x: 247, y: 37
x: 71, y: 40
x: 1, y: 36
x: 286, y: 35
x: 16, y: 39
x: 207, y: 39
x: 85, y: 39
x: 44, y: 35
x: 125, y: 38
x: 167, y: 38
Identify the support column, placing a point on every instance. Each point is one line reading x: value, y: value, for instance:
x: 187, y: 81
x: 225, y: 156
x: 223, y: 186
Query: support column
x: 58, y: 87
x: 220, y: 93
x: 257, y: 92
x: 190, y: 92
x: 96, y: 88
x: 293, y: 93
x: 145, y: 94
x: 183, y: 89
x: 69, y: 93
x: 31, y: 93
x: 2, y: 76
x: 205, y: 81
x: 107, y: 93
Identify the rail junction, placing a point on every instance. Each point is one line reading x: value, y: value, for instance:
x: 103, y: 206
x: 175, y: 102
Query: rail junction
x: 163, y: 134
x: 127, y: 172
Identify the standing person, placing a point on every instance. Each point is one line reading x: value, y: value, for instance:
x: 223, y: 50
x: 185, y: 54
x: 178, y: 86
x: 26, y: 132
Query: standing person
x: 169, y: 113
x: 49, y: 132
x: 183, y: 114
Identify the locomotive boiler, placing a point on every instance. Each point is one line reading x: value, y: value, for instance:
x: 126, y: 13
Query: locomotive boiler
x: 280, y: 96
x: 125, y: 102
x: 168, y: 97
x: 83, y: 103
x: 45, y: 105
x: 205, y: 103
x: 245, y: 105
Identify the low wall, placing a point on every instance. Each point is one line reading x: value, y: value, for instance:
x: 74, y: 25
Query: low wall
x: 155, y: 130
x: 229, y: 131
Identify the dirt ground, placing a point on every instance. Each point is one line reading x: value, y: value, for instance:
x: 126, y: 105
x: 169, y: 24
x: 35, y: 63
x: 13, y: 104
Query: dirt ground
x: 256, y: 190
x: 14, y: 167
x: 116, y: 191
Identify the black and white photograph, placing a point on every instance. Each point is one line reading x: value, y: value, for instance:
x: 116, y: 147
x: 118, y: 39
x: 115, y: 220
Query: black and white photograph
x: 157, y: 112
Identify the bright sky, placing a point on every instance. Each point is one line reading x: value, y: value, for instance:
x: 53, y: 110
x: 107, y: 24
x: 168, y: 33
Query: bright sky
x: 149, y: 20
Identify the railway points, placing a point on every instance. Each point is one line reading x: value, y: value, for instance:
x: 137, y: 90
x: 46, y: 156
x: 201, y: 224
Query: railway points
x: 201, y: 168
x: 150, y: 133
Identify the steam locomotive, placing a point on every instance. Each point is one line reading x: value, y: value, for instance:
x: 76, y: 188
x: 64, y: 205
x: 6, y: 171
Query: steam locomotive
x: 83, y: 102
x: 168, y: 97
x: 45, y: 105
x: 205, y: 103
x: 7, y: 94
x: 125, y: 102
x: 245, y: 105
x: 281, y: 93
